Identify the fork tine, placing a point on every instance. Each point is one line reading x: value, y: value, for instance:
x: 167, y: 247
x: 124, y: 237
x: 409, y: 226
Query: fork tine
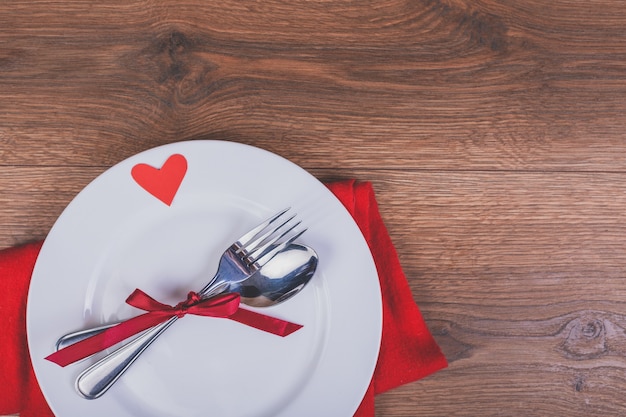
x: 266, y: 246
x: 273, y: 251
x: 245, y: 239
x: 253, y: 246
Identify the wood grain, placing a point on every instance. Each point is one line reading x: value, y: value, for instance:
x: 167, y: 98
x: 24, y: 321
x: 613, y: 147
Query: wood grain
x: 493, y: 132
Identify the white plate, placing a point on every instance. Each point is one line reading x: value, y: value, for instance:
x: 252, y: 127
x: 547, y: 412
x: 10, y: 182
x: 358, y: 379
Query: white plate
x: 115, y: 237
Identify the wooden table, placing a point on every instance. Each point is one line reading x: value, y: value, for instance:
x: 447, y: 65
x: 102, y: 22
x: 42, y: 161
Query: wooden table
x: 494, y: 133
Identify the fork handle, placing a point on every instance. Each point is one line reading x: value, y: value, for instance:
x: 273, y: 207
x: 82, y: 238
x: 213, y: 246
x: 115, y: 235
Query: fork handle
x: 99, y: 377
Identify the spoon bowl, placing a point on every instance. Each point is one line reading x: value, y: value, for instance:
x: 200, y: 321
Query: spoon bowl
x: 280, y: 279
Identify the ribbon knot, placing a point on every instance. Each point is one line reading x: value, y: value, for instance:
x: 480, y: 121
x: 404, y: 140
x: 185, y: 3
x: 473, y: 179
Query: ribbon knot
x: 183, y: 307
x: 220, y: 306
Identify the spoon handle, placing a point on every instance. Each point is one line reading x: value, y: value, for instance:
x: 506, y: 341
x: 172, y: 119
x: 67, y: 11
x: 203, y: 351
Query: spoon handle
x: 75, y: 337
x: 99, y: 377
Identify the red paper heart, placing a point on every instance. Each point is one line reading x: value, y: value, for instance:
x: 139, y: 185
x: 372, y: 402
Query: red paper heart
x: 161, y: 182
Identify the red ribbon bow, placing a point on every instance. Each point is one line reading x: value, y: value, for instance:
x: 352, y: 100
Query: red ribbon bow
x: 224, y: 305
x: 220, y: 306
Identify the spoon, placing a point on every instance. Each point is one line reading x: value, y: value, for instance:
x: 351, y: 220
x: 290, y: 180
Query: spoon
x: 278, y: 280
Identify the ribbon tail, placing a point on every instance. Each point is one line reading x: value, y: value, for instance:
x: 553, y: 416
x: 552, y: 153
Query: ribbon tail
x: 268, y: 324
x: 106, y: 339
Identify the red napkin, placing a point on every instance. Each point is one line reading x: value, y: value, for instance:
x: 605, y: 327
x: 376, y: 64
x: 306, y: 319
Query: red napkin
x: 408, y: 351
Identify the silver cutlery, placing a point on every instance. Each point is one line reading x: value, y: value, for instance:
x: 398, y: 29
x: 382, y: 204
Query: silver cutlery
x: 266, y: 287
x: 243, y: 259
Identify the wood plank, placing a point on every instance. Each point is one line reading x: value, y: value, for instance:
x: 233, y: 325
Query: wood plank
x: 521, y: 279
x: 452, y: 85
x: 493, y: 132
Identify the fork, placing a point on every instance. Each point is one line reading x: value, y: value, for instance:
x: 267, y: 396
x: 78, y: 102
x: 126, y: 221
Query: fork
x: 242, y: 259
